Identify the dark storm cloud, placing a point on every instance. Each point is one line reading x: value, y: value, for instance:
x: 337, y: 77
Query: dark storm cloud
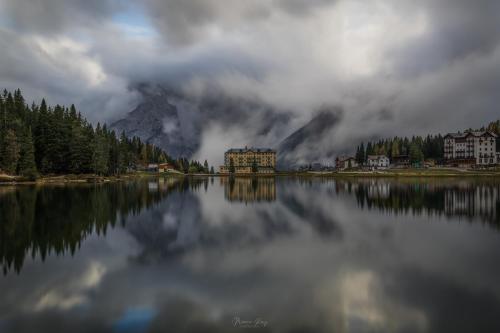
x: 429, y: 65
x: 184, y: 22
x: 52, y: 16
x: 456, y: 29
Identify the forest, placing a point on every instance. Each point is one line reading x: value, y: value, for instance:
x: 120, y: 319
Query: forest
x: 41, y: 140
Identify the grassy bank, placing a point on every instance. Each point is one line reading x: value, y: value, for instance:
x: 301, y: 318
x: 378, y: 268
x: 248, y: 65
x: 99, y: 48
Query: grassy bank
x: 393, y: 173
x: 433, y: 172
x: 65, y: 179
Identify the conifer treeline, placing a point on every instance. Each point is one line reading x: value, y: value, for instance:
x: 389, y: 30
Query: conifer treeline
x: 56, y: 140
x: 417, y: 148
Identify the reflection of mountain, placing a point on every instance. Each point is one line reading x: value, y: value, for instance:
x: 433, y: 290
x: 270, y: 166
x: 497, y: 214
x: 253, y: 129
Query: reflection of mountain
x: 248, y: 189
x: 466, y: 199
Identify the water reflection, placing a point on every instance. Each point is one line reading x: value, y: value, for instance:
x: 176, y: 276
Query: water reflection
x: 473, y: 200
x: 303, y: 255
x: 249, y: 189
x: 56, y: 219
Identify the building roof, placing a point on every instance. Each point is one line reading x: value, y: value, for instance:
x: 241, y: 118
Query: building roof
x: 251, y: 149
x: 376, y: 157
x: 463, y: 135
x: 344, y: 158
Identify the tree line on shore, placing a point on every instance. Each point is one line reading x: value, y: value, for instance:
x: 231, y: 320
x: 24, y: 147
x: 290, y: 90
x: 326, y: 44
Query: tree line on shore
x: 40, y: 139
x: 417, y: 148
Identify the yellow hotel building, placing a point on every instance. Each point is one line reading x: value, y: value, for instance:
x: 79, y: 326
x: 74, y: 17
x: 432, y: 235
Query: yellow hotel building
x: 243, y: 159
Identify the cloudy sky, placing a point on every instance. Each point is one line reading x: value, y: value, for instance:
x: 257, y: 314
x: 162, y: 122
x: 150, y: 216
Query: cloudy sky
x: 393, y: 66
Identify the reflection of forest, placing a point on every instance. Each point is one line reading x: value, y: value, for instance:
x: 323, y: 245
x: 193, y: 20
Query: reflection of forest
x: 46, y: 219
x: 440, y: 197
x: 249, y: 189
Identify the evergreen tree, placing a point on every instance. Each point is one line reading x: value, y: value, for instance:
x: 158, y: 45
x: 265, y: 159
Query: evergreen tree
x: 416, y: 155
x: 100, y: 157
x: 27, y: 165
x: 10, y: 152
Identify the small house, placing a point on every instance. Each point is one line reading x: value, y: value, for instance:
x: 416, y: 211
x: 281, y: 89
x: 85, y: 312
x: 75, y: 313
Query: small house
x: 378, y: 161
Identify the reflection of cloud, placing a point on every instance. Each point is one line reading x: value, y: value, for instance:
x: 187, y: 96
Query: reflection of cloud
x: 53, y: 299
x: 358, y: 301
x: 73, y: 294
x: 363, y: 281
x: 361, y: 305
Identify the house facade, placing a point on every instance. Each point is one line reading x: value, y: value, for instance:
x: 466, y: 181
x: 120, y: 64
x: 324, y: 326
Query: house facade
x: 245, y: 160
x: 471, y: 148
x: 345, y: 162
x: 378, y: 161
x: 164, y: 167
x: 401, y: 161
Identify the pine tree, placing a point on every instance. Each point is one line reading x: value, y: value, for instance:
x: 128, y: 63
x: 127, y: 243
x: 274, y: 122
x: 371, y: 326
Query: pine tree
x: 27, y: 165
x: 100, y: 157
x: 416, y: 155
x: 10, y: 152
x: 78, y: 150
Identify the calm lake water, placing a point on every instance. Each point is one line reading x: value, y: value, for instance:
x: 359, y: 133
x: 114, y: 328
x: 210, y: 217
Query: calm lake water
x: 255, y: 255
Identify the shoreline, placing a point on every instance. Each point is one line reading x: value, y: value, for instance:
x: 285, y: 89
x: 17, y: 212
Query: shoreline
x: 6, y: 180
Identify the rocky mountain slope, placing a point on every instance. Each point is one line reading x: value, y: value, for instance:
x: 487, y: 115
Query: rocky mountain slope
x: 163, y: 122
x: 176, y: 123
x: 309, y: 143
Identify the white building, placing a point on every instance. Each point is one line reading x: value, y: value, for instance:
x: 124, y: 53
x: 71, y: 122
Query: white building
x: 378, y: 161
x: 477, y: 148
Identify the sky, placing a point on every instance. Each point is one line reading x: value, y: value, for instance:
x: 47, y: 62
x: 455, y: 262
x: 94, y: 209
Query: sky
x: 393, y: 67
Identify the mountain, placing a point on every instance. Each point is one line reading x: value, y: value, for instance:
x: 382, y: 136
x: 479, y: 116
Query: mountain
x: 310, y: 143
x: 164, y: 120
x: 176, y: 123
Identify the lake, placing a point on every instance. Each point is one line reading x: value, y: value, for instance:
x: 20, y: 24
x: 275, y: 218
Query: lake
x: 252, y: 254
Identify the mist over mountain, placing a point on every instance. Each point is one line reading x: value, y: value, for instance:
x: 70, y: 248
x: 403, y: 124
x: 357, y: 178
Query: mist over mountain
x: 252, y: 72
x: 201, y: 126
x: 204, y: 126
x: 163, y: 120
x: 310, y: 143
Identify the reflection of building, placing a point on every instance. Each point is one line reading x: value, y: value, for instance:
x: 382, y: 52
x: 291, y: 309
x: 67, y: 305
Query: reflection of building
x: 470, y: 148
x: 249, y: 160
x: 472, y: 200
x: 249, y: 189
x: 483, y: 201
